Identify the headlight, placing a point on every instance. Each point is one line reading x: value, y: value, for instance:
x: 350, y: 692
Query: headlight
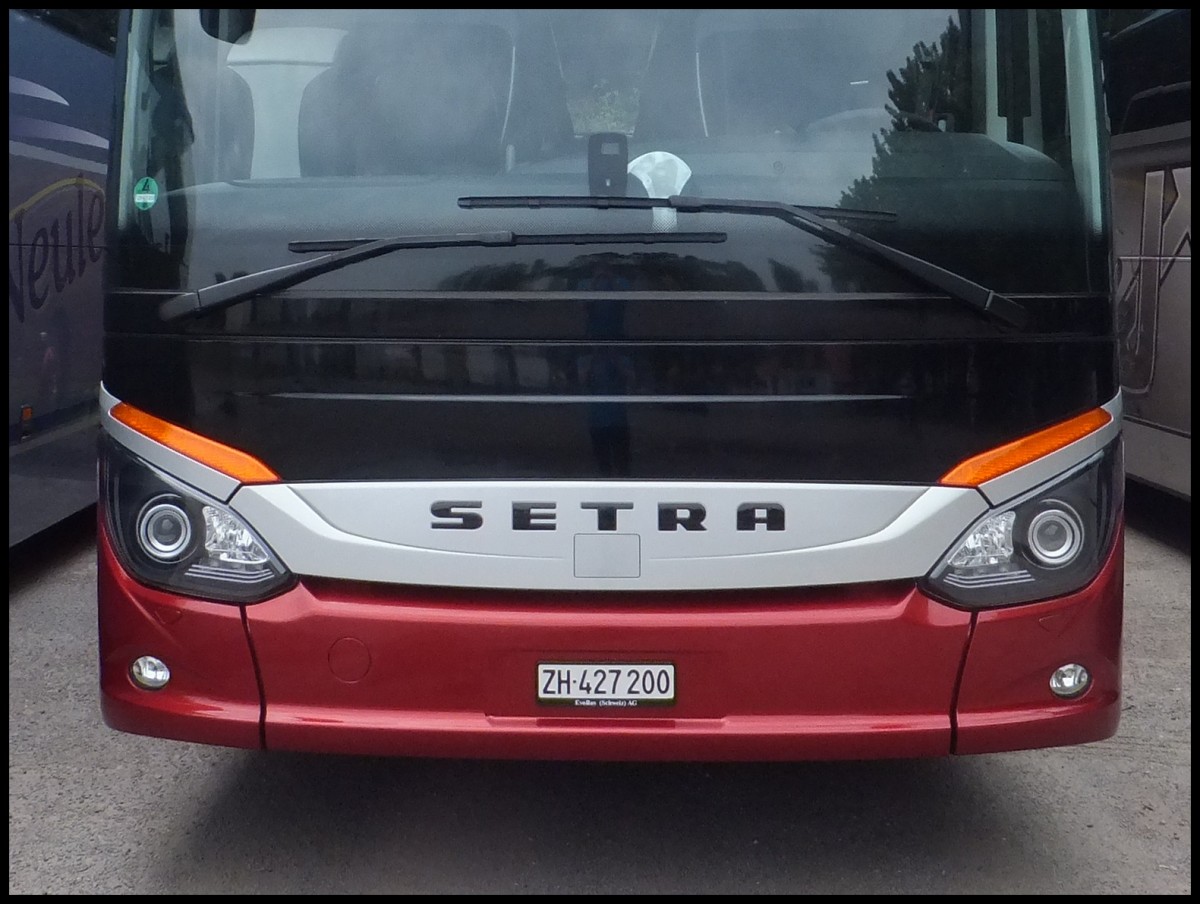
x: 172, y: 536
x: 164, y: 530
x: 1046, y: 543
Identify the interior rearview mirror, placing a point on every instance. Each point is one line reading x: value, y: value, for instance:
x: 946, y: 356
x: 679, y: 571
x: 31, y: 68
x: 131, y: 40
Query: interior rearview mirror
x: 230, y: 25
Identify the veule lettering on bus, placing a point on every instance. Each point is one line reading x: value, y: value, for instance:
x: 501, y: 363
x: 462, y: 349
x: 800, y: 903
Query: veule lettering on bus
x: 62, y: 250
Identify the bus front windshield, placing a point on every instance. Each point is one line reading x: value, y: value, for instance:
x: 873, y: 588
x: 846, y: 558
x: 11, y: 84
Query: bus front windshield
x: 968, y: 137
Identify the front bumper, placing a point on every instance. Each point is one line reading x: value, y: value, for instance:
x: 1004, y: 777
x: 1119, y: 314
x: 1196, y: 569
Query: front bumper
x: 854, y: 672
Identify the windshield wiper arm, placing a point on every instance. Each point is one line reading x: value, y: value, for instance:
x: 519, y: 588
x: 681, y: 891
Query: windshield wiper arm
x: 343, y: 252
x: 966, y: 290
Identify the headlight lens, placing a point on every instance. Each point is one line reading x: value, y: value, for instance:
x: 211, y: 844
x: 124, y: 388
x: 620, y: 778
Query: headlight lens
x: 164, y: 530
x: 1055, y: 535
x: 172, y: 536
x: 1047, y: 543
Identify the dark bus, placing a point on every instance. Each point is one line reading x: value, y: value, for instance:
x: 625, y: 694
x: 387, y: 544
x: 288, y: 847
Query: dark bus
x: 1148, y: 70
x: 685, y: 384
x: 60, y: 96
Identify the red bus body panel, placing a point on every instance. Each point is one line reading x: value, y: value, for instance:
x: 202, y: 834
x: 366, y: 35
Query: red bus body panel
x: 1005, y: 701
x: 857, y: 672
x: 213, y: 696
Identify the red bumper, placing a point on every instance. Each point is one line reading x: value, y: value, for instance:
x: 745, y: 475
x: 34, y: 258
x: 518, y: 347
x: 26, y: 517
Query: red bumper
x: 834, y: 673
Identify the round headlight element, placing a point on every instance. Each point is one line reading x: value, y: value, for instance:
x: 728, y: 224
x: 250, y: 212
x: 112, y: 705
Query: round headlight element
x: 1055, y: 535
x: 164, y: 530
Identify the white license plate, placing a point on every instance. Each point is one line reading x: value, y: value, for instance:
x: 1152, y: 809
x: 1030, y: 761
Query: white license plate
x: 606, y: 684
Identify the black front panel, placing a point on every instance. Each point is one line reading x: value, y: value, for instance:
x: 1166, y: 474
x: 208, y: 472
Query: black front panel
x: 717, y: 386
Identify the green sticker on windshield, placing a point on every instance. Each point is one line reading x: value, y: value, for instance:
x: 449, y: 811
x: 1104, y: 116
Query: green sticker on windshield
x: 145, y: 193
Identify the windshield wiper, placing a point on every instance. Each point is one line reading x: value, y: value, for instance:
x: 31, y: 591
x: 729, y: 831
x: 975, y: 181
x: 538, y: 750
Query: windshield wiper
x: 343, y: 252
x: 966, y: 290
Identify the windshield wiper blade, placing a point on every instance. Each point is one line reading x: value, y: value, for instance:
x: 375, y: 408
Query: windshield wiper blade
x: 636, y: 203
x: 956, y: 286
x: 343, y: 252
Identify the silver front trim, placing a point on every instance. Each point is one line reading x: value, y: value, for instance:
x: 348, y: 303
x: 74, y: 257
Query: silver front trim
x: 1021, y: 480
x: 215, y: 484
x: 833, y: 534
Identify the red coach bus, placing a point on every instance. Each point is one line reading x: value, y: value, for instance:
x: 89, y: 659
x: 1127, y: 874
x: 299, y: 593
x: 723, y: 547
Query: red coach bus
x: 611, y: 384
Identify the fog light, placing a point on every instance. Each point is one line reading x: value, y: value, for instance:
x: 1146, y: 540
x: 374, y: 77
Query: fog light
x: 164, y: 529
x: 150, y: 672
x: 1070, y: 680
